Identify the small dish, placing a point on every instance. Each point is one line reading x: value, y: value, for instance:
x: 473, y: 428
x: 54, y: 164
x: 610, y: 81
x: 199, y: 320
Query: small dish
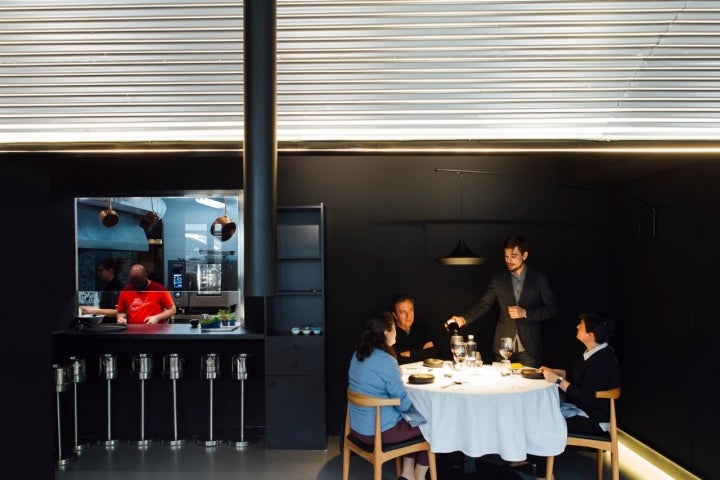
x: 433, y: 362
x: 532, y: 373
x: 421, y: 378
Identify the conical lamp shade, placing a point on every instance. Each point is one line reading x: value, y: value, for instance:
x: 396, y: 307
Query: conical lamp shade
x: 461, y: 255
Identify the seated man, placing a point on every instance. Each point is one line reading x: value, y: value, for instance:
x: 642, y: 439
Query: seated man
x: 414, y: 340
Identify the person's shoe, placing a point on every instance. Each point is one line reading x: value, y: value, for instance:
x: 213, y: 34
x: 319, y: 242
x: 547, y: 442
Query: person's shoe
x: 520, y: 464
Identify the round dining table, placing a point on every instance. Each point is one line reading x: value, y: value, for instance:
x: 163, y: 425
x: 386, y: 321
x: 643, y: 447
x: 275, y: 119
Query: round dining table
x: 479, y: 411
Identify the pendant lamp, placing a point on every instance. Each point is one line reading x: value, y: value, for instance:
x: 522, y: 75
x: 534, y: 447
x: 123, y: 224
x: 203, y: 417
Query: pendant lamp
x: 461, y: 254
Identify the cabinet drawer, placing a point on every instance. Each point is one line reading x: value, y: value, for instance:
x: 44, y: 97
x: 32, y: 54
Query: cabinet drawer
x: 294, y: 355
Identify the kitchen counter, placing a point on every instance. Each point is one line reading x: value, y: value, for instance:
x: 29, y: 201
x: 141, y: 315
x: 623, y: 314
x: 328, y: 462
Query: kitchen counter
x: 177, y: 331
x: 158, y: 341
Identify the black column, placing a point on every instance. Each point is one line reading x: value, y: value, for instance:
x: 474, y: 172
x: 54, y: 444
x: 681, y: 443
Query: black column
x: 260, y: 146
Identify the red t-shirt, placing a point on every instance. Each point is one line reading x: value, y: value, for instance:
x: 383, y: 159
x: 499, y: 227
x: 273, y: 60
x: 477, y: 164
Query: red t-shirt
x: 141, y: 304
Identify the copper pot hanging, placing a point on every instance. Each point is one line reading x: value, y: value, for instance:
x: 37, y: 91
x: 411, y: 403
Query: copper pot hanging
x: 109, y: 217
x: 149, y: 219
x: 223, y: 227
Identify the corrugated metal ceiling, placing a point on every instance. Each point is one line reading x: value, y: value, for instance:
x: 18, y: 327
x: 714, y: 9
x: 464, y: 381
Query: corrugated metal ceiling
x: 89, y: 71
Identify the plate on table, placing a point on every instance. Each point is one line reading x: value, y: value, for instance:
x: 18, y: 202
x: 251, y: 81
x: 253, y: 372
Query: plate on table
x: 421, y: 378
x: 532, y: 373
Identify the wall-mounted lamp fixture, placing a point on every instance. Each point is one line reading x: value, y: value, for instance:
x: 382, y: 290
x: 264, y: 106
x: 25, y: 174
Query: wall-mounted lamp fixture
x: 109, y: 217
x: 223, y: 227
x: 461, y: 255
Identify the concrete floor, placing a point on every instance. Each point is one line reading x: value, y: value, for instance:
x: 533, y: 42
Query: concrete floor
x: 225, y: 462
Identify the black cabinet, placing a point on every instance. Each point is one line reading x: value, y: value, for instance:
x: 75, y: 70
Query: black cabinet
x: 295, y: 334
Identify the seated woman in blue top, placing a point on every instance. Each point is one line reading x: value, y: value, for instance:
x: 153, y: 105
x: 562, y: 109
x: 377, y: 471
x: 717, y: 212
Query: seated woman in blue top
x: 374, y: 371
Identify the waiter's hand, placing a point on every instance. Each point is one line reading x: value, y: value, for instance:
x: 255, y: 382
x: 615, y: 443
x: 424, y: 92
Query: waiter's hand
x: 517, y: 312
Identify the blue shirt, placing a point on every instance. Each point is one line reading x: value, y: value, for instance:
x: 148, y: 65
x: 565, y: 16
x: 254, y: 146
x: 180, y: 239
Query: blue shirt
x: 379, y: 376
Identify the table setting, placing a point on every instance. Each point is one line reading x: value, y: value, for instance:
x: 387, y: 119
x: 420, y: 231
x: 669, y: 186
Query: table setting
x: 486, y: 409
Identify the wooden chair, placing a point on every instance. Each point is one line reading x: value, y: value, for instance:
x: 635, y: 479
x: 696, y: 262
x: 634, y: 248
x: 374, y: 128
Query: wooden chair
x: 379, y: 453
x: 602, y: 442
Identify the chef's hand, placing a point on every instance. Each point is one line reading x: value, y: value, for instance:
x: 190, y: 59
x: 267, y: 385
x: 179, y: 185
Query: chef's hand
x: 151, y: 320
x: 517, y: 312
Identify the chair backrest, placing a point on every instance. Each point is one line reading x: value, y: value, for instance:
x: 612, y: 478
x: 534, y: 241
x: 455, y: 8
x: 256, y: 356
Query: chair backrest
x: 362, y: 400
x: 612, y: 395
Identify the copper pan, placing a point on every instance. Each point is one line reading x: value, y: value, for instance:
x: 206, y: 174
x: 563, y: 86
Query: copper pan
x: 109, y: 217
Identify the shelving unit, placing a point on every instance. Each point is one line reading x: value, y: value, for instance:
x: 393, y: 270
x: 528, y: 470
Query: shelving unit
x: 295, y: 363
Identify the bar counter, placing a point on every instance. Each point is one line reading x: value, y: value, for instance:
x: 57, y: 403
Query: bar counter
x: 177, y: 331
x: 91, y: 343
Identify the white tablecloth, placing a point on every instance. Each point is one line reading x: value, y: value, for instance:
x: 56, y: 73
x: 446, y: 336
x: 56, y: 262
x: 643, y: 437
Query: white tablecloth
x: 488, y: 413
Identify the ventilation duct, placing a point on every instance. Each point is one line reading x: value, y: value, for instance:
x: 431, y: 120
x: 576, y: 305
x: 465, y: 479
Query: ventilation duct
x: 126, y: 235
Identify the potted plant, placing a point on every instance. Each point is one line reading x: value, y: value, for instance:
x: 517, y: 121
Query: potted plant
x: 210, y: 322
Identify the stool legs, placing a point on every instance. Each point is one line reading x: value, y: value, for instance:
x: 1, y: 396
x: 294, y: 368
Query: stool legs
x: 108, y: 369
x: 175, y: 441
x: 109, y: 441
x: 79, y: 374
x: 62, y: 378
x: 173, y: 369
x: 141, y: 369
x: 210, y: 369
x: 239, y: 372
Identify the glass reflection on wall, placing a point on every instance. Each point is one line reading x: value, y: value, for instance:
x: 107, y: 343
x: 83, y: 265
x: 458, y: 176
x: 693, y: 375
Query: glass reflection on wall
x: 193, y: 245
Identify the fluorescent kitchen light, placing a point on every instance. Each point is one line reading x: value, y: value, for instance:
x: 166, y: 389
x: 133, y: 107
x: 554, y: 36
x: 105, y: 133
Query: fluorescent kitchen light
x: 209, y: 202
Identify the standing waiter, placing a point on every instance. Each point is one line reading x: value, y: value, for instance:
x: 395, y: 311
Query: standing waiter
x: 525, y: 299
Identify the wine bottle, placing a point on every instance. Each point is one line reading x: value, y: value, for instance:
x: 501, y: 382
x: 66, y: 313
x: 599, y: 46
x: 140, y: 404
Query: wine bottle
x: 452, y: 327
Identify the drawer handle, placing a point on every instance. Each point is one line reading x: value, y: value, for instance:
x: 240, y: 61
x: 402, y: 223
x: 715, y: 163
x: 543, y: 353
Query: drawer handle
x: 294, y: 364
x: 294, y: 346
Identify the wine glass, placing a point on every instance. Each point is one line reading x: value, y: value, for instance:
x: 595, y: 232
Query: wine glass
x: 506, y: 351
x: 459, y: 354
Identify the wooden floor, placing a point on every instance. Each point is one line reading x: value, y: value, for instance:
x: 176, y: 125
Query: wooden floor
x: 225, y: 462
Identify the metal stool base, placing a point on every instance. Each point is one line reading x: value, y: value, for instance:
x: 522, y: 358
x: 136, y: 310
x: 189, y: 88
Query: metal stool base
x: 80, y: 447
x: 240, y: 443
x: 210, y: 443
x: 141, y: 443
x: 174, y: 443
x: 109, y: 443
x: 64, y: 461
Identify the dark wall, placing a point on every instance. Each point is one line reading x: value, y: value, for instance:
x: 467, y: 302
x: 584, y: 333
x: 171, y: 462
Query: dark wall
x: 388, y: 218
x: 666, y: 290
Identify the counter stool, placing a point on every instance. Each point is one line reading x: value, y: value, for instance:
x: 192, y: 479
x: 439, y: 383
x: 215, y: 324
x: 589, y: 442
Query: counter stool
x: 79, y: 374
x: 108, y: 371
x: 61, y: 374
x: 239, y: 372
x: 210, y: 370
x: 173, y: 369
x: 141, y: 368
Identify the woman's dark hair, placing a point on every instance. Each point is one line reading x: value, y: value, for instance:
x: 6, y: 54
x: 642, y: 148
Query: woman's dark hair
x: 601, y: 327
x: 374, y: 336
x: 115, y: 264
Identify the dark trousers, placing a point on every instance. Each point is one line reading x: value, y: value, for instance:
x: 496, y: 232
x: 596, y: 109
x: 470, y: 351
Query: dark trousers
x: 401, y: 431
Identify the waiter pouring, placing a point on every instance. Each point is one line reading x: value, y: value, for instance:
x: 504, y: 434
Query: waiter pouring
x: 525, y: 299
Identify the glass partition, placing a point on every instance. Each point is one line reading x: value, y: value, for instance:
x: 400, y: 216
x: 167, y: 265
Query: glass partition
x: 191, y: 244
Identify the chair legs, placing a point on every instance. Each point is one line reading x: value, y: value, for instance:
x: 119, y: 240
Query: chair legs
x: 549, y: 468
